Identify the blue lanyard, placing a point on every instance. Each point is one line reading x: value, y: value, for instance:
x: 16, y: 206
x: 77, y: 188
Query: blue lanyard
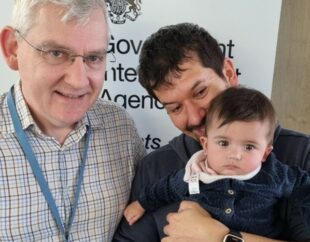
x: 23, y: 140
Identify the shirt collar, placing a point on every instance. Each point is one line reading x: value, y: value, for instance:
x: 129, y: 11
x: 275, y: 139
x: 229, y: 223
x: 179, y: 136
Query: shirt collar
x: 27, y: 120
x: 22, y: 109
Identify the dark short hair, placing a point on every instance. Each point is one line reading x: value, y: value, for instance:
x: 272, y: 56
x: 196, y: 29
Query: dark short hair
x: 242, y: 104
x: 166, y: 49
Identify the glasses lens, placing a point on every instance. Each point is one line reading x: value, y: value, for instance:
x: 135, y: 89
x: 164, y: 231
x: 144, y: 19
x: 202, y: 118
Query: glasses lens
x: 55, y: 57
x: 60, y: 56
x: 95, y: 61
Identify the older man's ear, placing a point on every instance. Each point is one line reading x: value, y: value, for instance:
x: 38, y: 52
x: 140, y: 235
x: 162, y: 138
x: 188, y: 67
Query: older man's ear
x: 9, y: 46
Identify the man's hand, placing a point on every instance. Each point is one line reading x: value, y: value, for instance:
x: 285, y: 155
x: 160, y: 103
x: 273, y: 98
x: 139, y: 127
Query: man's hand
x: 193, y: 223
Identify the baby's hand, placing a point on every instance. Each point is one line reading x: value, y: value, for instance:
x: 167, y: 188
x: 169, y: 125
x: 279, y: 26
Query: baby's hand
x: 133, y: 212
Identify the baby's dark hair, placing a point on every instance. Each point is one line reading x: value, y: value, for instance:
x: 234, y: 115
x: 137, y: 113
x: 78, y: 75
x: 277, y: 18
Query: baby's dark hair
x: 242, y: 104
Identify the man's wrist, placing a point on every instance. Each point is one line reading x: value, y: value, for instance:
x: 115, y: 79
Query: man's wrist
x: 233, y: 236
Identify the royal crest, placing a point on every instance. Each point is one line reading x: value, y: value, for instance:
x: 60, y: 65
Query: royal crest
x: 120, y: 10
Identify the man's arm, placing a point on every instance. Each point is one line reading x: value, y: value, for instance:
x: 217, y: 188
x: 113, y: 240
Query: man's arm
x: 193, y: 223
x: 149, y: 228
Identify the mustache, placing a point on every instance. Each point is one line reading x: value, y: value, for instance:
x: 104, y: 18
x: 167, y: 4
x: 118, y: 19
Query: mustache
x: 191, y: 128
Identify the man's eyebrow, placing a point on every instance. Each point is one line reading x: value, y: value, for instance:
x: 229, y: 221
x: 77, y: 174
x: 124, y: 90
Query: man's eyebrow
x: 168, y: 103
x: 197, y: 83
x: 53, y: 44
x: 98, y: 52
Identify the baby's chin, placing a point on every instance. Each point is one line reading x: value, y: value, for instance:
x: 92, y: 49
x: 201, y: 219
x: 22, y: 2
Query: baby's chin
x: 231, y: 172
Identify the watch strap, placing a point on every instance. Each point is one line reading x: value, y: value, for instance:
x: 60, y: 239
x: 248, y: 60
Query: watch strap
x: 235, y: 232
x: 233, y: 236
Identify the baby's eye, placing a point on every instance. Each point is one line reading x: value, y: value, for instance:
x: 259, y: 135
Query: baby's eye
x: 223, y: 143
x: 249, y: 147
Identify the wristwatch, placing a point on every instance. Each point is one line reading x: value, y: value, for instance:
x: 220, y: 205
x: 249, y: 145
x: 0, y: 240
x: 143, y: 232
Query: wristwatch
x: 233, y: 236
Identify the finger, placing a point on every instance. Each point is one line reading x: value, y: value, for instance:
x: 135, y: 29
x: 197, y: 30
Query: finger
x: 169, y: 217
x: 172, y: 219
x: 170, y: 239
x: 186, y: 205
x: 165, y: 239
x: 127, y: 217
x: 166, y: 230
x: 176, y: 239
x: 134, y: 219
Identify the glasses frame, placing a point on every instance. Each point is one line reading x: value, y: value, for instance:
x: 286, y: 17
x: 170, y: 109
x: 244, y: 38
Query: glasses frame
x: 71, y: 57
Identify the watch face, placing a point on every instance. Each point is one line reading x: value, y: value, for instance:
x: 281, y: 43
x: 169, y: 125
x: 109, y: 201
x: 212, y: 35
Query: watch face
x: 232, y: 238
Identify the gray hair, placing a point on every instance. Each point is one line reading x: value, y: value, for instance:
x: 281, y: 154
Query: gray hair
x: 24, y: 11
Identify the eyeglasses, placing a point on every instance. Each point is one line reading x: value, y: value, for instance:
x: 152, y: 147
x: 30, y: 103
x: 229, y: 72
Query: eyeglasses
x: 62, y: 56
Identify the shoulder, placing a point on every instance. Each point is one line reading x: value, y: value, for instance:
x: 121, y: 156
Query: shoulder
x: 6, y: 125
x: 161, y: 162
x: 292, y: 147
x: 3, y: 107
x: 291, y: 134
x: 107, y: 113
x: 171, y: 156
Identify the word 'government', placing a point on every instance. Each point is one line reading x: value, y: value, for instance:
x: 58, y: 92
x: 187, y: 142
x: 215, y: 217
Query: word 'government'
x: 125, y: 46
x: 118, y: 72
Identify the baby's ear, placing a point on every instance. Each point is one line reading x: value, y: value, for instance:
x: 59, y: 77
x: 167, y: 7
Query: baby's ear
x: 267, y: 152
x: 204, y: 142
x: 9, y: 47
